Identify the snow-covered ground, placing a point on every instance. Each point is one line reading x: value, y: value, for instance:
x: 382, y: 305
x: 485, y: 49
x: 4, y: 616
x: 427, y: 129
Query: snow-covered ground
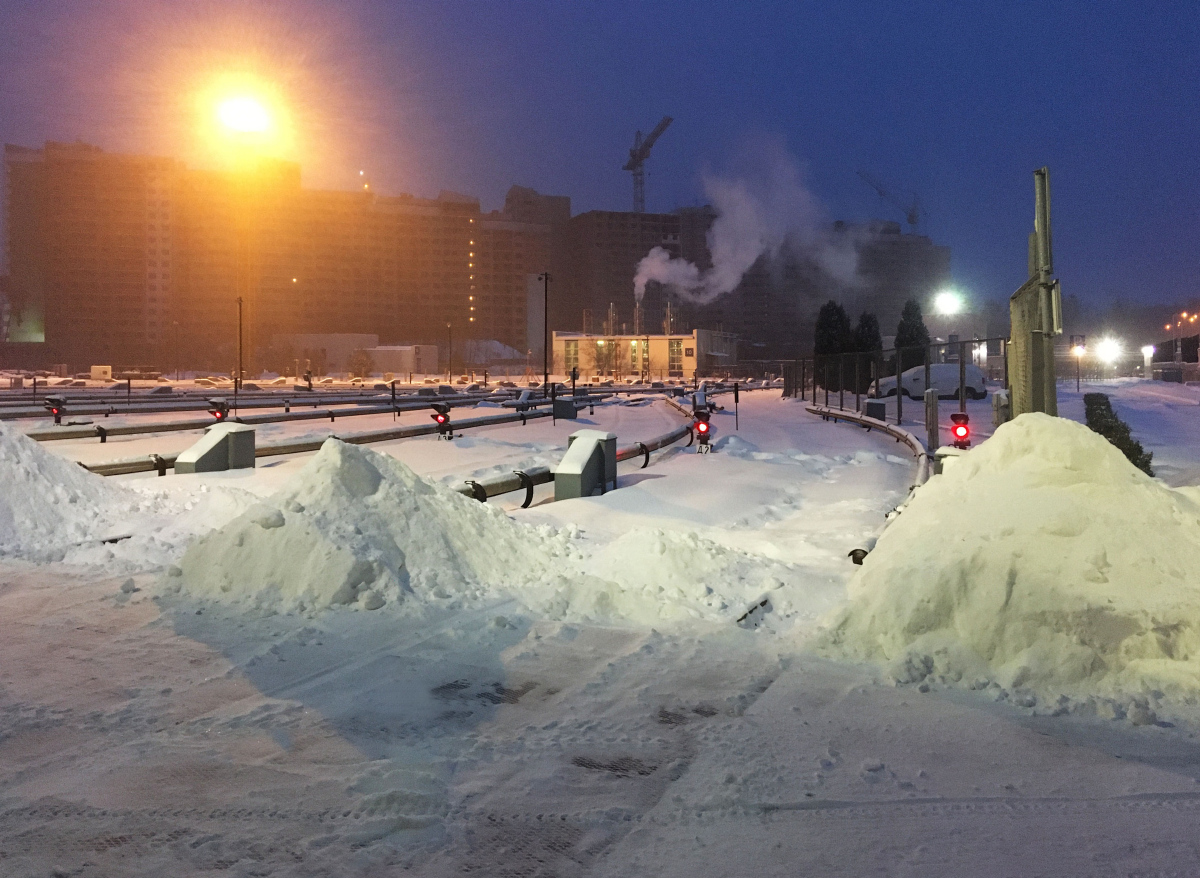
x: 600, y: 710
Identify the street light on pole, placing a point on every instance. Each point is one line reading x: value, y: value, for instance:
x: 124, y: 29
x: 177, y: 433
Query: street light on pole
x: 238, y: 381
x: 544, y: 277
x: 1078, y: 349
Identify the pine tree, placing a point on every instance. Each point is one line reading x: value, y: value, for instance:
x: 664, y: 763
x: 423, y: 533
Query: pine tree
x: 866, y: 334
x: 911, y: 333
x: 834, y: 337
x: 869, y: 342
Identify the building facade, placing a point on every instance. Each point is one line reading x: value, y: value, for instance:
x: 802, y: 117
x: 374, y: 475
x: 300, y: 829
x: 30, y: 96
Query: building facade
x: 651, y: 357
x: 141, y: 261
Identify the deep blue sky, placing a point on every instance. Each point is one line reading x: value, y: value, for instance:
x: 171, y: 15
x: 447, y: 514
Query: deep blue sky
x: 959, y: 102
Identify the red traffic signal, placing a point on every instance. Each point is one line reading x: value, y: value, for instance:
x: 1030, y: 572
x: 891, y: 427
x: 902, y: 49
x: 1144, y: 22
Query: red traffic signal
x: 961, y: 429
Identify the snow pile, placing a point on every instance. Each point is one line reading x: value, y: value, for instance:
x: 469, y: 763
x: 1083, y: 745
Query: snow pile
x: 1042, y: 565
x: 48, y: 504
x: 649, y: 577
x: 358, y: 527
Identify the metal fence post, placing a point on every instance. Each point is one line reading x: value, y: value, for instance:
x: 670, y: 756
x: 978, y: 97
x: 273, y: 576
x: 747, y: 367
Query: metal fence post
x: 857, y: 382
x: 962, y: 376
x: 827, y: 383
x: 803, y: 378
x: 899, y: 387
x: 841, y: 381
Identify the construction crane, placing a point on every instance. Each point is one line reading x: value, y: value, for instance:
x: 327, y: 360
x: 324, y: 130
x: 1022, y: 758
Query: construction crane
x: 912, y: 212
x: 637, y: 161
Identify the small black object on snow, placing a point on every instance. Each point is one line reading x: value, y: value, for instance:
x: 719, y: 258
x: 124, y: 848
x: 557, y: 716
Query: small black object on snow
x: 857, y: 555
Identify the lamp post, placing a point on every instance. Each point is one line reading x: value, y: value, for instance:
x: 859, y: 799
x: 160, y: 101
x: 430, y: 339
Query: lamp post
x: 544, y: 277
x: 449, y: 354
x: 1078, y: 350
x: 237, y: 382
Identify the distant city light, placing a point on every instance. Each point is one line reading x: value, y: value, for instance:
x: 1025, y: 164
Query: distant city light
x: 244, y: 114
x: 1108, y: 350
x: 947, y: 302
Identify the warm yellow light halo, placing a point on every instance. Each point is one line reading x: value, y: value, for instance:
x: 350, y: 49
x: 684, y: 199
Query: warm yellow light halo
x: 245, y: 114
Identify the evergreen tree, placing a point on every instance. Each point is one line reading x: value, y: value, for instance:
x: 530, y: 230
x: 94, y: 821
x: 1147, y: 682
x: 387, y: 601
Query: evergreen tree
x: 868, y: 342
x: 834, y: 337
x: 866, y: 334
x: 911, y: 333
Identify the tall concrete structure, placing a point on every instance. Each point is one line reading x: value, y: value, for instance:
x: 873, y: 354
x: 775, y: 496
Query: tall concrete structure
x: 139, y: 260
x: 90, y: 249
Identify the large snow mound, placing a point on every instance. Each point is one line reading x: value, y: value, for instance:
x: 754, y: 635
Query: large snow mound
x: 48, y: 504
x: 1044, y: 564
x: 358, y: 527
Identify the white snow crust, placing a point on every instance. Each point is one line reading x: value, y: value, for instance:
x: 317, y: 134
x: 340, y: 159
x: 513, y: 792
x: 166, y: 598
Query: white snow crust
x: 356, y: 526
x: 48, y: 504
x: 360, y: 528
x: 1045, y: 563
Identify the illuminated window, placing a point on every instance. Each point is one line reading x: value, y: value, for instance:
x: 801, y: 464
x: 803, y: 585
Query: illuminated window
x: 675, y: 355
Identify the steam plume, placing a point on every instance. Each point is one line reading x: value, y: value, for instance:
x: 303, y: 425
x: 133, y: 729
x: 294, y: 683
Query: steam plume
x: 760, y: 211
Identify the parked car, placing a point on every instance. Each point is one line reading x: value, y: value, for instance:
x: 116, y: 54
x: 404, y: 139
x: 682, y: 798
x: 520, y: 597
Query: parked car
x: 943, y: 376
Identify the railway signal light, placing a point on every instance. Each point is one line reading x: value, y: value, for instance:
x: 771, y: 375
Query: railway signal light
x: 441, y: 417
x: 960, y: 429
x: 218, y: 407
x: 54, y: 405
x: 703, y: 430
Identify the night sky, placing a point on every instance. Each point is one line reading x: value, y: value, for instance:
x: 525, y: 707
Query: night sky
x: 959, y: 102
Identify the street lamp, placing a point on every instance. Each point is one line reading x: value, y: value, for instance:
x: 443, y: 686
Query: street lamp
x: 947, y: 303
x: 1148, y: 361
x: 544, y: 277
x: 1108, y: 350
x: 1078, y: 351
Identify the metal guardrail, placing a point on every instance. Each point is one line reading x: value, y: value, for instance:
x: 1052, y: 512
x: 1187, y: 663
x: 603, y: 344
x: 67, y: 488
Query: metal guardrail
x: 900, y: 435
x: 161, y: 463
x: 518, y: 480
x: 88, y: 431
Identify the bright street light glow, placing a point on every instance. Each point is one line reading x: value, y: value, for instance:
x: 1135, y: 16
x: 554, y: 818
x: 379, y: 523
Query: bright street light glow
x: 1148, y: 350
x: 245, y: 114
x: 947, y: 302
x: 1108, y: 350
x: 1079, y: 350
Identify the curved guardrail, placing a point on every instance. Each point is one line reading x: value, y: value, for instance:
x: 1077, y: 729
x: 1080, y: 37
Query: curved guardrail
x: 900, y: 435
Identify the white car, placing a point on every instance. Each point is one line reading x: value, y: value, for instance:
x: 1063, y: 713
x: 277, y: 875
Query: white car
x: 943, y: 376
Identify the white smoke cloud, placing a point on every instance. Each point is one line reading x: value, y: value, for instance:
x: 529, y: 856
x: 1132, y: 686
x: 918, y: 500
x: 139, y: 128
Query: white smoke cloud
x: 761, y: 210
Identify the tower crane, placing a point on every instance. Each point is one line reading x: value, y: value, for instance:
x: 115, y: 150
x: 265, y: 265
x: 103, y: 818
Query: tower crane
x: 912, y: 212
x: 637, y: 161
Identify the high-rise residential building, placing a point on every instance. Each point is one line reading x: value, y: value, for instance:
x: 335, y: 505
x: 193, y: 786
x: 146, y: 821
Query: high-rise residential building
x: 140, y: 261
x: 90, y: 249
x: 605, y: 248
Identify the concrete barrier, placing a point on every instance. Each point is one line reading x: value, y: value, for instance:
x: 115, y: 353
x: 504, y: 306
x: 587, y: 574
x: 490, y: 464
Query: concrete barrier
x: 224, y: 446
x: 590, y: 463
